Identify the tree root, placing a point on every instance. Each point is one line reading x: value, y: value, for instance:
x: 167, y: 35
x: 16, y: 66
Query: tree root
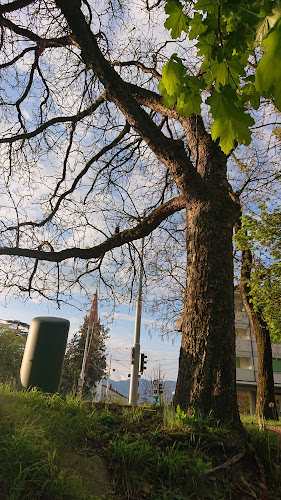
x: 226, y: 464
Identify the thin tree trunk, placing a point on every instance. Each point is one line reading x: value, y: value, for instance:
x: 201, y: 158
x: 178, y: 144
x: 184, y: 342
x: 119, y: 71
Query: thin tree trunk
x: 207, y: 375
x: 265, y: 385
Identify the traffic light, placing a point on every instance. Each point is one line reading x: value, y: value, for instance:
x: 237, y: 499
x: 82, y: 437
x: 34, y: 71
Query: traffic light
x: 143, y: 362
x: 132, y: 355
x: 160, y: 385
x: 155, y: 388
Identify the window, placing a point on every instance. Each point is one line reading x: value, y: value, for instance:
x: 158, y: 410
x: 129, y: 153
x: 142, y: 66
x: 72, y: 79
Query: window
x: 237, y: 362
x: 245, y: 363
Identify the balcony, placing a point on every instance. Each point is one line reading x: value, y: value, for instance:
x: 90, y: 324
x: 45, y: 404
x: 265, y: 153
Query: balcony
x: 245, y: 375
x: 243, y: 346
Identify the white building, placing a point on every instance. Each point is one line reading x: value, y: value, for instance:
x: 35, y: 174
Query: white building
x: 112, y: 396
x: 247, y: 362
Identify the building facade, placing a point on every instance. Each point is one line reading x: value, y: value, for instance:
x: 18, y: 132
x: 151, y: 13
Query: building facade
x: 247, y: 362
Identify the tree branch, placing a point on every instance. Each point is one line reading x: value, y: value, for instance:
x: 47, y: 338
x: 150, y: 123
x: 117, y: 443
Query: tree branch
x: 168, y: 151
x: 42, y: 42
x: 95, y: 158
x: 54, y: 121
x: 138, y: 64
x: 142, y: 229
x: 12, y: 6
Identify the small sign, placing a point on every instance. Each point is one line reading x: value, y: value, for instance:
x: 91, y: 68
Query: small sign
x: 155, y: 382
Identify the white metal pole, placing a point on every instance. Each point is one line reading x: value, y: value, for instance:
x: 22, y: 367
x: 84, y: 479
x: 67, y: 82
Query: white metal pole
x: 82, y: 373
x: 133, y: 395
x: 160, y: 395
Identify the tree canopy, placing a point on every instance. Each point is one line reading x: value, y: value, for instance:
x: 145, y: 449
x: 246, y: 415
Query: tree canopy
x: 12, y: 343
x: 262, y: 235
x: 96, y: 361
x: 238, y: 50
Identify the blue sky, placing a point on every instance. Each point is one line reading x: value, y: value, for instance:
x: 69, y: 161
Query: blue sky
x: 121, y: 327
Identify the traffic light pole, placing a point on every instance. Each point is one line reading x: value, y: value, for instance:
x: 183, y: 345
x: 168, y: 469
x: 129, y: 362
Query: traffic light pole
x: 133, y: 395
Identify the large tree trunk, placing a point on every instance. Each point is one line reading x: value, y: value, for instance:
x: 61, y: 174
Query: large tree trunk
x: 265, y: 386
x: 207, y: 376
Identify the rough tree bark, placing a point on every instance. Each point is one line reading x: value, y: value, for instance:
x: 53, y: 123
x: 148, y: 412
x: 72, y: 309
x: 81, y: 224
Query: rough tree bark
x: 265, y: 385
x: 207, y: 375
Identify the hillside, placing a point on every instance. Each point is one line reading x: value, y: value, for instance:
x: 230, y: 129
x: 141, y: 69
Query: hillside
x: 55, y: 448
x: 145, y: 389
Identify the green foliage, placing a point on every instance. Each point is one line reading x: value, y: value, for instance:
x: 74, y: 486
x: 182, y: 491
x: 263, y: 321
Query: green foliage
x: 12, y: 343
x: 176, y: 21
x: 133, y: 415
x: 95, y: 369
x: 178, y: 419
x: 268, y: 74
x: 227, y: 36
x: 262, y: 235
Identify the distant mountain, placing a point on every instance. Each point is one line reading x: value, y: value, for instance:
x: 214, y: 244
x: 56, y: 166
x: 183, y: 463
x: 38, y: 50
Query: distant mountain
x: 145, y: 389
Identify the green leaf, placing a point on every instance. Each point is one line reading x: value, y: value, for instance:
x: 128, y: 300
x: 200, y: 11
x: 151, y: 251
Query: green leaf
x: 207, y: 6
x: 231, y: 123
x: 197, y: 26
x: 172, y: 75
x: 205, y: 45
x: 189, y: 100
x: 230, y: 130
x: 266, y: 24
x: 268, y: 72
x: 222, y: 103
x: 249, y: 94
x: 177, y: 20
x: 168, y: 100
x: 220, y: 73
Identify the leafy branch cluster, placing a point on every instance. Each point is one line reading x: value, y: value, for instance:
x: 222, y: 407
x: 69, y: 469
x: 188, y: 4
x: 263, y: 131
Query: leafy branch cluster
x: 262, y: 235
x: 238, y: 49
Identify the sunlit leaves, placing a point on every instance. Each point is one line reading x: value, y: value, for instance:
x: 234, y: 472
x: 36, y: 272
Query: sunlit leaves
x: 262, y: 235
x: 267, y: 23
x: 189, y: 101
x: 268, y: 74
x: 226, y: 36
x: 231, y: 123
x: 197, y: 26
x: 173, y: 73
x: 180, y: 89
x: 176, y: 21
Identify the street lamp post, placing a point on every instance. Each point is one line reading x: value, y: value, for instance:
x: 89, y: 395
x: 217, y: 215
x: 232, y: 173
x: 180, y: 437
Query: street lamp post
x: 133, y: 395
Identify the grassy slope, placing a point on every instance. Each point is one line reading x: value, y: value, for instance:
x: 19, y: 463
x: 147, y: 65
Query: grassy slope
x: 53, y: 448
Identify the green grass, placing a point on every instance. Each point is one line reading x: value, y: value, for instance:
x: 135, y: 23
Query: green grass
x: 56, y: 448
x: 251, y: 419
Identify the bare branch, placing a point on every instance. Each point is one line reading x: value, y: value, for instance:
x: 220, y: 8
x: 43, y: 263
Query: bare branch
x: 12, y: 6
x: 142, y: 229
x: 18, y: 57
x: 54, y: 121
x: 138, y: 64
x: 41, y: 42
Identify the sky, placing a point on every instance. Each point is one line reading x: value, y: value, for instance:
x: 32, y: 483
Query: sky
x: 121, y: 330
x: 121, y: 326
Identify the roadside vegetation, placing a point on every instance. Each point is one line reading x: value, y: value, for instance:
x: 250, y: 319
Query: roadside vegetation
x: 55, y: 448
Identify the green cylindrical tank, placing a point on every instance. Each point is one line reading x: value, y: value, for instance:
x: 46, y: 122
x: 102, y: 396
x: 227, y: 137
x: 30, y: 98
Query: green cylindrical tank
x: 44, y: 353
